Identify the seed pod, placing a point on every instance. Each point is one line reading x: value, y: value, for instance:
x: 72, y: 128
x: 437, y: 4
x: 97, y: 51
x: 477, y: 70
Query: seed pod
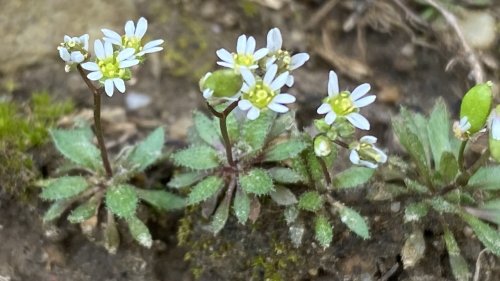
x: 476, y: 105
x: 224, y: 83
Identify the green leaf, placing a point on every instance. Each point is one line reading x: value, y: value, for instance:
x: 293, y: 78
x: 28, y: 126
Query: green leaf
x: 148, y: 151
x: 420, y: 129
x: 413, y: 145
x: 283, y: 196
x: 241, y: 206
x: 492, y: 204
x: 441, y: 205
x: 485, y: 233
x: 221, y: 215
x: 285, y: 175
x: 323, y: 231
x: 161, y: 200
x: 122, y: 200
x: 438, y: 130
x: 205, y: 189
x: 283, y: 123
x: 486, y: 178
x: 285, y: 150
x: 448, y: 167
x: 64, y: 187
x: 206, y: 128
x: 354, y: 221
x: 257, y: 181
x: 415, y: 186
x: 185, y: 179
x: 85, y: 211
x: 457, y: 262
x: 76, y: 146
x: 254, y: 132
x: 353, y: 177
x: 416, y: 211
x: 310, y: 201
x: 55, y: 211
x: 197, y: 158
x: 139, y: 231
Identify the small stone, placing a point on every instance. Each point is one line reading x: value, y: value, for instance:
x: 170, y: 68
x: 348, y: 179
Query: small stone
x: 395, y: 207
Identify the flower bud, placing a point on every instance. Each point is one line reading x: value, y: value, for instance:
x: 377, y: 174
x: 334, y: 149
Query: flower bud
x: 322, y: 146
x: 476, y: 106
x: 223, y: 83
x: 494, y: 133
x: 364, y: 153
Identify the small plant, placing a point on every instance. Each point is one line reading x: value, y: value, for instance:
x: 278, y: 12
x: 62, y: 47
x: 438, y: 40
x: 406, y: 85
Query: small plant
x: 92, y: 180
x: 444, y: 182
x: 255, y: 149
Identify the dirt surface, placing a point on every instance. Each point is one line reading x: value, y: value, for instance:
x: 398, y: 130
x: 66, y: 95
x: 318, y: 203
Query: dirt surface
x: 406, y: 64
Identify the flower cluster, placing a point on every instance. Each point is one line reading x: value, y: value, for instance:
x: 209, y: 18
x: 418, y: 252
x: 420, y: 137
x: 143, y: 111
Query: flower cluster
x: 342, y: 116
x: 114, y: 57
x: 256, y: 77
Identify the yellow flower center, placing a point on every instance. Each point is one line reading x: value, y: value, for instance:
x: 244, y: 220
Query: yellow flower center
x: 243, y: 59
x: 132, y: 42
x: 366, y: 152
x: 342, y: 103
x: 260, y: 95
x: 110, y: 68
x: 284, y: 60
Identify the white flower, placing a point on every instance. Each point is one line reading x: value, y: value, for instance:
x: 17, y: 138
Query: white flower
x: 281, y: 57
x: 364, y: 153
x: 110, y: 68
x: 494, y: 123
x: 245, y: 56
x: 262, y: 94
x: 345, y: 104
x: 461, y: 128
x: 74, y: 50
x: 133, y: 38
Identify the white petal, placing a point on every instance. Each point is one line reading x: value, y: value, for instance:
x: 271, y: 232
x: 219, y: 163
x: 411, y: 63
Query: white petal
x: 208, y: 93
x: 289, y: 81
x: 279, y: 81
x: 225, y: 64
x: 298, y: 60
x: 333, y: 84
x: 153, y: 43
x: 253, y: 113
x: 125, y: 54
x: 77, y: 57
x: 270, y: 61
x: 270, y: 74
x: 108, y: 49
x: 244, y: 105
x: 142, y: 26
x: 248, y: 77
x: 274, y: 40
x: 365, y: 101
x: 330, y: 117
x: 250, y: 46
x: 113, y: 37
x: 94, y: 76
x: 129, y: 28
x: 244, y: 88
x: 383, y: 156
x: 495, y: 128
x: 90, y: 66
x: 224, y: 55
x: 64, y: 54
x: 128, y: 63
x: 276, y: 107
x: 360, y: 91
x: 149, y: 51
x: 85, y: 41
x: 368, y: 164
x: 260, y: 54
x: 368, y: 139
x: 324, y: 108
x: 108, y: 87
x: 284, y: 98
x: 67, y: 38
x: 358, y: 121
x: 241, y: 45
x: 354, y: 157
x: 99, y: 49
x: 119, y: 84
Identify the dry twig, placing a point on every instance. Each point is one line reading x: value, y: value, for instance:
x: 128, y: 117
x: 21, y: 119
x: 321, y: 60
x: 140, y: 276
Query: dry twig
x: 321, y: 13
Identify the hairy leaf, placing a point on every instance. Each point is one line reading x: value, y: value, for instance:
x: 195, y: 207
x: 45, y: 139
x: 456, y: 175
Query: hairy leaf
x: 161, y: 200
x: 353, y: 177
x: 458, y: 264
x: 64, y: 187
x: 197, y: 158
x: 255, y: 132
x: 140, y: 231
x: 206, y: 128
x: 76, y: 146
x: 310, y: 201
x: 122, y: 200
x: 257, y: 181
x: 323, y: 231
x: 241, y: 206
x: 285, y: 150
x: 220, y: 217
x: 285, y: 175
x: 185, y: 179
x: 416, y: 211
x: 438, y: 130
x: 85, y: 211
x: 413, y: 145
x: 283, y: 196
x: 354, y: 221
x: 148, y: 151
x: 55, y: 211
x: 448, y: 167
x: 205, y: 189
x: 485, y: 233
x: 487, y: 178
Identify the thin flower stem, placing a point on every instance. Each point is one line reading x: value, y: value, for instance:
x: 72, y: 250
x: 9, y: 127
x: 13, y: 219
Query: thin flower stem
x: 461, y: 155
x: 342, y: 144
x: 223, y: 128
x: 97, y: 121
x: 324, y: 168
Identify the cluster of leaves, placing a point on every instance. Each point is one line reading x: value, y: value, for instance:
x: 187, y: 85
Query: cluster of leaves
x: 22, y: 129
x: 440, y: 183
x: 272, y: 159
x: 88, y: 187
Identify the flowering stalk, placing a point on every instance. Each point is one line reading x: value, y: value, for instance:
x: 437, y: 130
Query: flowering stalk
x: 97, y: 121
x: 461, y: 155
x: 222, y: 116
x: 324, y: 168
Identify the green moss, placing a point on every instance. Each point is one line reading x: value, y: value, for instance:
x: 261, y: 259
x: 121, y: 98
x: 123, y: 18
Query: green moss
x: 23, y: 128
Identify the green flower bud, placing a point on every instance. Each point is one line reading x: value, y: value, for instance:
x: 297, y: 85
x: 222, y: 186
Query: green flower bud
x: 224, y: 83
x: 321, y: 125
x: 476, y: 105
x: 322, y: 146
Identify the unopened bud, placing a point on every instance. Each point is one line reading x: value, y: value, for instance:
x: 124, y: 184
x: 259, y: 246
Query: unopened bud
x: 322, y: 146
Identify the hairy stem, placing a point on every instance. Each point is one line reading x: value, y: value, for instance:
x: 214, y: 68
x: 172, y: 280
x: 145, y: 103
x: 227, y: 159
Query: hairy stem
x: 223, y: 128
x: 97, y: 121
x: 324, y: 168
